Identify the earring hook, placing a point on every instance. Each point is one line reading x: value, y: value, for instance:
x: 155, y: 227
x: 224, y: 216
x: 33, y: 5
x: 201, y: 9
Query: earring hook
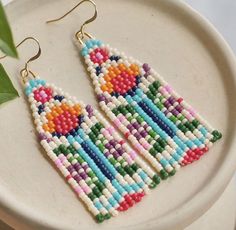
x: 79, y: 34
x: 26, y: 71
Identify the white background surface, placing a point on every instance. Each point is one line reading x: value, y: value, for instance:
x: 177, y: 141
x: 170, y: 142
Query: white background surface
x: 222, y: 13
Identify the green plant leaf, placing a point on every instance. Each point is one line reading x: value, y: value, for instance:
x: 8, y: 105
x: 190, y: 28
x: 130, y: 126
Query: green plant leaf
x: 7, y: 90
x: 6, y: 40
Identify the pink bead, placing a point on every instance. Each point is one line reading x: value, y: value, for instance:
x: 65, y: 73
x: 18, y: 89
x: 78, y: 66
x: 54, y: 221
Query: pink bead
x: 146, y: 145
x: 122, y: 118
x: 58, y: 163
x: 192, y: 111
x: 168, y: 88
x: 188, y: 116
x: 78, y: 190
x: 117, y: 123
x: 133, y: 154
x: 86, y: 189
x: 139, y: 147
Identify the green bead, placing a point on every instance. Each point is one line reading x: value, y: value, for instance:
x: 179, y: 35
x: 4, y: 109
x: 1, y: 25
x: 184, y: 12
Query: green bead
x: 130, y: 118
x: 189, y: 126
x: 99, y: 185
x: 182, y: 128
x: 80, y: 160
x: 107, y: 216
x: 135, y: 167
x: 173, y: 119
x: 89, y: 182
x: 196, y: 123
x: 90, y: 174
x: 162, y: 142
x: 150, y: 95
x: 62, y: 148
x: 122, y: 161
x: 96, y: 192
x: 172, y: 173
x: 156, y: 84
x: 152, y: 185
x: 101, y: 147
x: 153, y: 152
x: 160, y: 105
x: 152, y: 89
x: 99, y: 126
x: 99, y: 218
x: 121, y: 171
x: 139, y: 119
x: 164, y: 175
x: 71, y: 159
x: 56, y: 151
x: 152, y: 133
x: 216, y: 136
x: 92, y: 196
x: 156, y: 179
x: 129, y: 170
x: 158, y: 147
x: 112, y: 160
x: 116, y: 112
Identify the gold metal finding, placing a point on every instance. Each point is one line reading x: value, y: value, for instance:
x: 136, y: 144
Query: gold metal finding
x: 25, y: 72
x: 81, y: 34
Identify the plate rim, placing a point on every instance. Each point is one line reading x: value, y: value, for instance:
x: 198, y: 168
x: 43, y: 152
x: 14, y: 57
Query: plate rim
x: 193, y: 208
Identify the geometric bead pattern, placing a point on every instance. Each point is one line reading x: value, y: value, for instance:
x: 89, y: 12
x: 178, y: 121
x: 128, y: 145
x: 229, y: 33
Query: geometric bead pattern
x: 159, y: 123
x: 106, y: 174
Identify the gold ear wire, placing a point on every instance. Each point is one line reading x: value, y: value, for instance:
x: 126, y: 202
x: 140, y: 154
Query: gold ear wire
x: 26, y: 71
x: 80, y: 34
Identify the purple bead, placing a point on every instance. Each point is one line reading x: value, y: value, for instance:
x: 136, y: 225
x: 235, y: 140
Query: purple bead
x: 145, y: 126
x: 166, y: 112
x: 77, y: 166
x: 167, y: 104
x: 42, y: 136
x: 179, y: 108
x: 108, y: 146
x: 101, y: 97
x: 120, y: 151
x: 146, y: 67
x: 116, y: 155
x: 175, y: 112
x: 129, y: 126
x: 83, y: 175
x: 78, y: 178
x: 112, y: 142
x: 70, y: 169
x: 137, y: 136
x: 143, y: 133
x: 136, y: 125
x: 107, y: 154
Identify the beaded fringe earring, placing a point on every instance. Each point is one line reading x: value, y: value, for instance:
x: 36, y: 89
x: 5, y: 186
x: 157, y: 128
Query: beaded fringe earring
x: 160, y: 125
x: 104, y: 172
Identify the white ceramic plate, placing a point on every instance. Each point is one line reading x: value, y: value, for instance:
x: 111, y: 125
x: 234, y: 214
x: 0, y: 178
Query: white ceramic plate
x: 181, y: 46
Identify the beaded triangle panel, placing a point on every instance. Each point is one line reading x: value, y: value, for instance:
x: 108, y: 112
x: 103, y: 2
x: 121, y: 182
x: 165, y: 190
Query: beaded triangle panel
x: 157, y: 121
x: 105, y: 173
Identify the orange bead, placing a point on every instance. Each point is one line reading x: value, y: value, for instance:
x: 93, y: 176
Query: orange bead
x: 107, y: 77
x: 104, y: 88
x: 45, y: 127
x: 49, y: 116
x: 54, y: 114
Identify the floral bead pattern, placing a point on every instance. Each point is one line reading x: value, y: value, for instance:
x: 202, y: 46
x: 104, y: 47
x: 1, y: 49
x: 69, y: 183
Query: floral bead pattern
x: 106, y: 174
x: 160, y: 125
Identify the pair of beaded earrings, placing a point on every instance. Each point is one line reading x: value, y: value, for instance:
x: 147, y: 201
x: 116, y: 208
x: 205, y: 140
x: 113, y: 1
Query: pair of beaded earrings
x: 108, y: 175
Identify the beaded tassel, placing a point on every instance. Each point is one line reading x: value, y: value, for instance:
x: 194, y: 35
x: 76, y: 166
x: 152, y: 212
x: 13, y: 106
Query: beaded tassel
x: 100, y: 167
x: 160, y: 125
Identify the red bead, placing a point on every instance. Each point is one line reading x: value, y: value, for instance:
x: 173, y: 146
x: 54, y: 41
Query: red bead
x: 180, y: 100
